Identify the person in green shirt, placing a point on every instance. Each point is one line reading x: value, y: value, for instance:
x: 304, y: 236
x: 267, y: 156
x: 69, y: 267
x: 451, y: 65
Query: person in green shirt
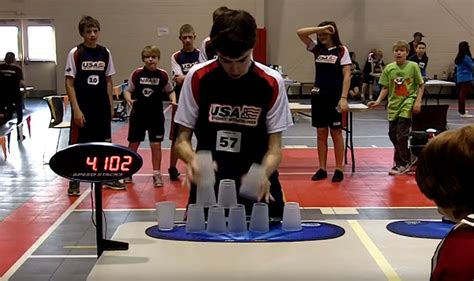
x: 402, y: 82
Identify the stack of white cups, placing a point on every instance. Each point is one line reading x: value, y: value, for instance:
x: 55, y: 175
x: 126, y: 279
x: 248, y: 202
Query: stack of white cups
x: 206, y: 178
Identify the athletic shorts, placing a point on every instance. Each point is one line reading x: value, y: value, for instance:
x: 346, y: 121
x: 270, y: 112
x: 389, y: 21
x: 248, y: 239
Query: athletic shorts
x: 139, y: 124
x: 94, y: 130
x: 324, y: 113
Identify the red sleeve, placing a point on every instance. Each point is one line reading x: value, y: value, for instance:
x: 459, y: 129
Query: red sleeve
x: 456, y: 257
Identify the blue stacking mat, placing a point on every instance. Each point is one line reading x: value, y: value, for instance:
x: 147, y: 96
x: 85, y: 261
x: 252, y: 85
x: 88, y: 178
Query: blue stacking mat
x: 421, y: 228
x: 310, y: 231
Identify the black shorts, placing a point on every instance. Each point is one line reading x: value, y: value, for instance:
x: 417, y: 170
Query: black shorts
x: 96, y: 129
x: 324, y: 112
x: 141, y: 123
x: 275, y: 208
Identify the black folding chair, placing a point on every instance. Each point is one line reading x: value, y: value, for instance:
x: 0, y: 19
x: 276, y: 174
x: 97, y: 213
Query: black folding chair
x: 430, y: 121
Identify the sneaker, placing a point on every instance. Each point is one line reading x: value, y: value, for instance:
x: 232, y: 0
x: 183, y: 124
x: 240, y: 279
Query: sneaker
x: 73, y: 189
x: 128, y: 179
x: 157, y: 180
x: 399, y: 170
x: 115, y: 185
x: 465, y: 115
x: 319, y: 175
x: 174, y: 173
x: 338, y: 176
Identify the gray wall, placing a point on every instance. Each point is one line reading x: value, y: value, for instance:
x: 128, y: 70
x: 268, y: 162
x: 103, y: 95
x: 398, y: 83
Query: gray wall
x: 128, y: 25
x: 366, y: 24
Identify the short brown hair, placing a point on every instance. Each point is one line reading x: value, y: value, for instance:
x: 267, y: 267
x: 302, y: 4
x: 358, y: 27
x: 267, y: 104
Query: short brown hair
x: 186, y: 28
x: 445, y: 169
x: 150, y: 51
x: 86, y: 22
x: 401, y: 44
x: 219, y: 11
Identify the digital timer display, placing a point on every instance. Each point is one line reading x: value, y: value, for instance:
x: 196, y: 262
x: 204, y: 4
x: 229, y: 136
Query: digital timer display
x: 96, y: 162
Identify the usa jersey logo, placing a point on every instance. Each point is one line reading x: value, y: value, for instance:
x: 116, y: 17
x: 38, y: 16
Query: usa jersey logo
x: 93, y: 65
x: 187, y: 66
x: 240, y: 115
x: 149, y: 81
x: 327, y: 59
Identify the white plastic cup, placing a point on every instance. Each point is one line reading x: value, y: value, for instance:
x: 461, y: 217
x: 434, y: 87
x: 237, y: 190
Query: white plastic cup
x: 259, y: 221
x: 195, y: 221
x: 166, y: 212
x: 227, y: 196
x: 291, y: 217
x: 205, y: 169
x: 237, y: 219
x: 216, y: 220
x: 249, y: 187
x: 205, y: 195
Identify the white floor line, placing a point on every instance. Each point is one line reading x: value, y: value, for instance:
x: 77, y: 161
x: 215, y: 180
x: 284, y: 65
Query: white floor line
x: 63, y: 256
x: 45, y: 235
x: 345, y: 211
x: 374, y: 252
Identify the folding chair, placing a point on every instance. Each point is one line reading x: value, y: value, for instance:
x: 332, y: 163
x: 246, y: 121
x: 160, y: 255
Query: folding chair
x: 430, y: 121
x: 57, y: 106
x: 119, y: 104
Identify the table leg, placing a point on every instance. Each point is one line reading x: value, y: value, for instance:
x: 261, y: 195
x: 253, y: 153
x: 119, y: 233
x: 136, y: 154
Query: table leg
x: 346, y: 128
x: 439, y: 93
x: 351, y: 142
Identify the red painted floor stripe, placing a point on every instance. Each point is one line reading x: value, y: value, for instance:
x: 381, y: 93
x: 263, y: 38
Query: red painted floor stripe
x: 20, y: 230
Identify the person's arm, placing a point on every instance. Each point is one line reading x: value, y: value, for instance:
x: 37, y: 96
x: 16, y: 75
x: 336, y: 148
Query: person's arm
x: 202, y: 53
x: 270, y: 163
x: 346, y: 72
x: 186, y: 153
x: 76, y: 110
x: 346, y: 83
x: 381, y: 97
x: 176, y: 71
x: 110, y: 92
x: 127, y: 93
x: 110, y: 86
x: 421, y: 89
x: 172, y: 97
x: 305, y: 32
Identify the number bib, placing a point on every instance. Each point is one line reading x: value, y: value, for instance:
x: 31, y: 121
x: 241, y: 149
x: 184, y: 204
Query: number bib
x: 93, y: 80
x: 228, y: 141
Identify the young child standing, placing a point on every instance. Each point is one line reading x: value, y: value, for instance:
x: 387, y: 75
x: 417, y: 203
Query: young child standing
x: 420, y: 57
x: 331, y: 84
x: 143, y: 94
x: 88, y: 79
x: 181, y: 63
x: 402, y: 82
x: 464, y: 66
x: 444, y: 175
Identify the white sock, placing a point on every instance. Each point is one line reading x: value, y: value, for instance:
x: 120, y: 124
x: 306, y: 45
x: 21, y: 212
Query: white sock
x: 156, y: 172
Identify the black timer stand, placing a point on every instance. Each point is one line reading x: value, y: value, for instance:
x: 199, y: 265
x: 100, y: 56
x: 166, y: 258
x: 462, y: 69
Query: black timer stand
x: 102, y: 243
x: 93, y: 163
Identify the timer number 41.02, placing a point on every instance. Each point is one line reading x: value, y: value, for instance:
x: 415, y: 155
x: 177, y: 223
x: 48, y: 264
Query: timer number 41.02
x: 111, y: 163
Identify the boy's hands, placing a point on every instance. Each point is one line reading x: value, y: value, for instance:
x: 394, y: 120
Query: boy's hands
x: 417, y: 107
x: 79, y: 118
x: 343, y: 104
x: 373, y: 104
